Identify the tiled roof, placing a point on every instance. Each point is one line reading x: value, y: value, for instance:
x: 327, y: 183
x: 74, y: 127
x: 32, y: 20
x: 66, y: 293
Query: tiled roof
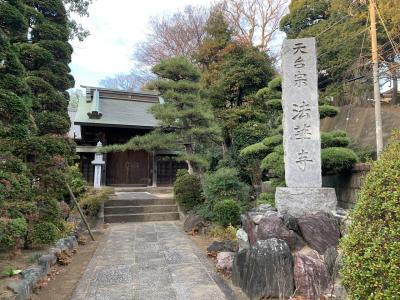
x: 116, y: 108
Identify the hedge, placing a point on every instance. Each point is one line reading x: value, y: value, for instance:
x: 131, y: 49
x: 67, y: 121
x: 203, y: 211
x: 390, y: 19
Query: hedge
x: 336, y: 160
x: 371, y: 249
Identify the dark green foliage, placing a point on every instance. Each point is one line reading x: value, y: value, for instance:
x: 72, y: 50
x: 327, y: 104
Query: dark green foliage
x: 187, y: 190
x: 12, y: 233
x: 49, y: 209
x: 49, y: 122
x: 227, y: 212
x: 34, y: 57
x: 337, y: 159
x: 258, y: 150
x: 272, y: 141
x: 274, y: 163
x: 223, y: 184
x: 371, y: 249
x: 74, y: 178
x: 177, y: 68
x: 43, y: 233
x: 327, y: 111
x: 34, y: 151
x: 336, y: 138
x: 274, y: 104
x: 248, y: 133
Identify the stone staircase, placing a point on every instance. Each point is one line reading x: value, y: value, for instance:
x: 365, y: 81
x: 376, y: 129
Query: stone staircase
x: 140, y: 205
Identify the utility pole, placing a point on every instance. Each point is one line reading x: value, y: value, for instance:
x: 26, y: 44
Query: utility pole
x: 375, y: 66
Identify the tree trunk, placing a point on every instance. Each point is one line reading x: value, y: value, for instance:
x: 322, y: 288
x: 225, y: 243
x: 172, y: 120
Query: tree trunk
x: 190, y: 167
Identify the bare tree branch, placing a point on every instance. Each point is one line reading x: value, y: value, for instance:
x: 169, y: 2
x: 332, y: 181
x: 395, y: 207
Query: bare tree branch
x: 179, y: 34
x: 134, y: 81
x: 254, y: 21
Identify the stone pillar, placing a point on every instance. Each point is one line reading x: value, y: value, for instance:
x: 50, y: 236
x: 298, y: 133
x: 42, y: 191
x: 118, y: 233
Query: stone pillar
x: 98, y: 163
x: 301, y: 133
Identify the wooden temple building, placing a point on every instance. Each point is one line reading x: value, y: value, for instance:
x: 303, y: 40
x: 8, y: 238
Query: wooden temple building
x: 113, y: 117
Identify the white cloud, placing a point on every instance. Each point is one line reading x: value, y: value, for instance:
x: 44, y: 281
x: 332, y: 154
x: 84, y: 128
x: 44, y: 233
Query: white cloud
x: 115, y: 27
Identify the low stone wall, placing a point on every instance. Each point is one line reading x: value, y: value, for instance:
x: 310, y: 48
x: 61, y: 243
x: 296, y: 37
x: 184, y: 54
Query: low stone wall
x: 347, y: 185
x: 23, y: 287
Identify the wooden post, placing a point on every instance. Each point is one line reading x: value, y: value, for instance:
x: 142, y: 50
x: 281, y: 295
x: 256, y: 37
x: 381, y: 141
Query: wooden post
x: 375, y: 66
x: 79, y: 209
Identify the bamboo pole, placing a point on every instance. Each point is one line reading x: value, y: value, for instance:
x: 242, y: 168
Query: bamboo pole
x: 80, y: 210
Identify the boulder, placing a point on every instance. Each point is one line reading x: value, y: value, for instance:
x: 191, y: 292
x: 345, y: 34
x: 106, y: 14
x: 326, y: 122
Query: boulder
x: 222, y: 246
x: 310, y: 276
x: 290, y: 223
x: 225, y: 261
x: 320, y: 231
x: 273, y: 227
x: 193, y: 223
x: 243, y: 239
x: 250, y: 228
x: 264, y: 270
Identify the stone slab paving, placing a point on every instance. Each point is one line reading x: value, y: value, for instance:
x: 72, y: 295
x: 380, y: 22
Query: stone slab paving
x: 146, y: 261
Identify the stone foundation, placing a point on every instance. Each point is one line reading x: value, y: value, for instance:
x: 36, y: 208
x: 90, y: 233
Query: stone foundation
x: 302, y: 201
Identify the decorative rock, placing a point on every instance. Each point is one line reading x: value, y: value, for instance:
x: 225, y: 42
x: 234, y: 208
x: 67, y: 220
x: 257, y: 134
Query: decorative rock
x: 243, y: 239
x: 225, y: 261
x: 273, y: 227
x: 250, y: 228
x: 47, y: 260
x: 265, y: 270
x: 222, y: 246
x: 193, y: 222
x: 320, y: 231
x: 290, y: 222
x: 310, y: 276
x: 330, y: 258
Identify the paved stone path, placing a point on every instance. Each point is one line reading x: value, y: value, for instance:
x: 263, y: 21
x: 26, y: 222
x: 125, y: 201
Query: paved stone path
x: 150, y: 261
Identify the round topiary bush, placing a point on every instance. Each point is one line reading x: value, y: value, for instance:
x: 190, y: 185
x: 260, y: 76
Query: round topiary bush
x: 337, y: 159
x: 335, y: 138
x: 227, y: 212
x: 371, y: 249
x: 224, y: 183
x: 187, y: 189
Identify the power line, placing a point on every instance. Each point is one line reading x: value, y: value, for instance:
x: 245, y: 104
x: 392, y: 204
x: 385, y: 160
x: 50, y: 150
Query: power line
x: 386, y: 30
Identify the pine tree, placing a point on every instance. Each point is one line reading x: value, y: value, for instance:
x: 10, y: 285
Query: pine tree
x: 185, y: 119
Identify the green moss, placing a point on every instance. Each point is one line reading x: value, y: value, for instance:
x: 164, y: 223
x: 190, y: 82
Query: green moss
x: 371, y: 249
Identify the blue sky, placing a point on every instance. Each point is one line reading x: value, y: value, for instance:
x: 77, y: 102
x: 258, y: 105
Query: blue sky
x: 115, y: 27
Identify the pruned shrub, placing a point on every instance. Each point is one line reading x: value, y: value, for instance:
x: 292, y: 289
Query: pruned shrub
x: 227, y: 212
x: 371, y: 249
x: 326, y: 110
x: 187, y: 189
x: 272, y: 141
x: 274, y: 162
x: 92, y: 200
x: 224, y: 183
x: 43, y: 233
x: 258, y: 150
x: 337, y: 159
x: 335, y: 138
x: 274, y: 104
x: 12, y: 233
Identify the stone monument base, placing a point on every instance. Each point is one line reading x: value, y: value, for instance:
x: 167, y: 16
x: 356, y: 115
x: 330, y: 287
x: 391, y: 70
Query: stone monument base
x: 303, y: 201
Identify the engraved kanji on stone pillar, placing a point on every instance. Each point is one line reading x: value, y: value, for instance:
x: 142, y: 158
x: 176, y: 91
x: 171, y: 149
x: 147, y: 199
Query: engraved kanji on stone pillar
x: 302, y: 143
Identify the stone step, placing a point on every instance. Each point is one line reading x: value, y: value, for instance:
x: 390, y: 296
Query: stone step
x: 121, y: 218
x: 139, y: 202
x: 110, y: 210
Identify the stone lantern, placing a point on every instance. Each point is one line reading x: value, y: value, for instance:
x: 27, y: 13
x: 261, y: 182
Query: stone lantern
x: 98, y: 163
